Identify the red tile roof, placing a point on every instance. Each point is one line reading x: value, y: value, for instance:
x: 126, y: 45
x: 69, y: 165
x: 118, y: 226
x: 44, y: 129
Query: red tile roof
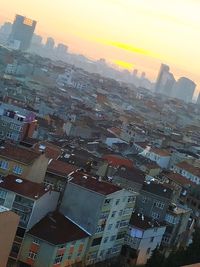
x: 160, y: 152
x: 179, y: 179
x: 56, y: 229
x: 116, y: 160
x: 18, y: 153
x: 189, y: 168
x: 93, y: 184
x: 61, y: 168
x: 144, y: 223
x: 23, y: 187
x: 51, y: 151
x: 131, y: 174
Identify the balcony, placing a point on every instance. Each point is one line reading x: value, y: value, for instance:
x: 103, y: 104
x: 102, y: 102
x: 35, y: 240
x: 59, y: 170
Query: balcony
x: 22, y: 207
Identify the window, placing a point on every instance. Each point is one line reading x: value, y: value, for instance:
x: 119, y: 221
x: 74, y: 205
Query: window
x: 151, y: 240
x: 159, y: 204
x: 61, y: 246
x: 99, y: 229
x: 36, y: 241
x: 113, y: 237
x: 127, y: 211
x: 3, y: 164
x: 32, y: 255
x: 117, y: 224
x: 120, y: 212
x: 148, y: 250
x: 104, y: 215
x: 116, y: 248
x: 117, y: 201
x: 109, y: 251
x: 121, y: 235
x: 124, y: 199
x: 144, y: 200
x: 96, y: 241
x: 109, y: 226
x: 17, y: 169
x: 124, y: 223
x: 113, y: 214
x: 105, y: 239
x: 130, y: 199
x: 3, y: 193
x: 155, y: 215
x: 107, y: 201
x: 58, y: 259
x: 73, y: 243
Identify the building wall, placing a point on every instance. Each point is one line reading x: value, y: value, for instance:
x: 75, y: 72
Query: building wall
x: 46, y: 253
x: 38, y: 169
x: 42, y: 206
x: 127, y: 184
x: 187, y: 174
x: 145, y: 205
x: 34, y: 172
x: 82, y: 206
x: 147, y: 246
x: 8, y: 226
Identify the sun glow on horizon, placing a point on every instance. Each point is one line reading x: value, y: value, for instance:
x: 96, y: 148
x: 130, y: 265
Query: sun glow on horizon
x: 123, y: 64
x: 145, y: 32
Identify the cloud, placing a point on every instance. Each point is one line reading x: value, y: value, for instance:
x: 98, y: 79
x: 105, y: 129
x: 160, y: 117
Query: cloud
x: 130, y: 48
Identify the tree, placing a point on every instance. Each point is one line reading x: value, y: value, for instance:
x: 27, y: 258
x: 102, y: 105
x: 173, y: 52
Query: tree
x: 156, y: 259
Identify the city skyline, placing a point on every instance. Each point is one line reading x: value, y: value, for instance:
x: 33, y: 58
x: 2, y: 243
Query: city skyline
x: 123, y: 31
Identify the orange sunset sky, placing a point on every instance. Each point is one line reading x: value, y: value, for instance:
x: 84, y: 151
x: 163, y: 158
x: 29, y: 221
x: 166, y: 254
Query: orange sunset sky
x: 131, y: 33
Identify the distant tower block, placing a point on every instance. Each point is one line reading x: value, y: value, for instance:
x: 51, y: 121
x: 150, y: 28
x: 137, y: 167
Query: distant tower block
x: 143, y: 75
x: 22, y: 31
x: 135, y: 72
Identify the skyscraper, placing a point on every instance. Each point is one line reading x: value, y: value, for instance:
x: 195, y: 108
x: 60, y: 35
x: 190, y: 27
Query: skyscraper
x: 165, y: 81
x: 184, y: 89
x: 61, y: 51
x: 198, y: 100
x: 22, y: 31
x: 50, y: 43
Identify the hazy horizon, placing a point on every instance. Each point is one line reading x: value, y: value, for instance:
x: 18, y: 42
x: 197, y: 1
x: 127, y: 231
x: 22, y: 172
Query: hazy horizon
x: 130, y: 33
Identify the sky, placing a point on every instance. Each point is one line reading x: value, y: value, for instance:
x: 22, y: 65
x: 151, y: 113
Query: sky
x: 139, y: 34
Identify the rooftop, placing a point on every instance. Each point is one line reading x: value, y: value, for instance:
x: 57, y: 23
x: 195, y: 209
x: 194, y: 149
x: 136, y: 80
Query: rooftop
x: 178, y: 178
x: 23, y: 187
x: 131, y: 174
x: 157, y: 189
x: 143, y: 222
x: 117, y: 160
x: 60, y: 168
x: 51, y: 151
x: 56, y: 229
x: 190, y: 168
x: 93, y: 184
x: 18, y: 153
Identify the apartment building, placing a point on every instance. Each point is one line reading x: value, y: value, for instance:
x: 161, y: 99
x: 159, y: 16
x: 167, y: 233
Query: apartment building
x: 188, y: 170
x: 31, y: 201
x: 160, y: 156
x: 57, y: 173
x: 143, y: 236
x: 54, y: 241
x: 16, y: 123
x: 8, y: 227
x: 178, y: 223
x: 100, y: 208
x: 153, y: 200
x: 131, y: 179
x: 22, y: 162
